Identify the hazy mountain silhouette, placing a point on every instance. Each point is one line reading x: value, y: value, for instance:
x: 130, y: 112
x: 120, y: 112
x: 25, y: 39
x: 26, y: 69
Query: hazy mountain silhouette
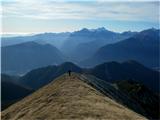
x: 110, y: 72
x: 87, y: 43
x: 55, y: 39
x: 82, y: 44
x: 143, y: 47
x: 42, y: 76
x: 24, y: 57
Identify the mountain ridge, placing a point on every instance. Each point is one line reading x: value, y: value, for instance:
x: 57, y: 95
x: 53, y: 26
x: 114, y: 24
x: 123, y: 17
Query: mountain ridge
x: 69, y: 98
x: 142, y: 47
x: 77, y: 44
x: 108, y: 71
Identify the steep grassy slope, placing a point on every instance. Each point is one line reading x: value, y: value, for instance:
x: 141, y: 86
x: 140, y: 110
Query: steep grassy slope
x: 129, y: 93
x: 68, y: 98
x: 141, y: 94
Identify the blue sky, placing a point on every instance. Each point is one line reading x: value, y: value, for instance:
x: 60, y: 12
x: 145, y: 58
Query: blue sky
x: 37, y: 16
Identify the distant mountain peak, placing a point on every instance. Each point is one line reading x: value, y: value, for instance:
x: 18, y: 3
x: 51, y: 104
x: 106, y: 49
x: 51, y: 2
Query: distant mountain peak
x: 92, y: 30
x: 101, y: 29
x: 150, y: 30
x: 154, y: 29
x: 69, y: 63
x: 84, y: 30
x: 126, y: 32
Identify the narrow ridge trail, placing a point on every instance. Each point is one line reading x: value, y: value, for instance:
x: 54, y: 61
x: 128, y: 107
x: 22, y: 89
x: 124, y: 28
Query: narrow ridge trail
x: 68, y: 98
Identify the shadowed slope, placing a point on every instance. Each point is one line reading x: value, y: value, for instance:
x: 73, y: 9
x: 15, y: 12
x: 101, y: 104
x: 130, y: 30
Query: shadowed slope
x: 143, y: 47
x: 11, y: 91
x: 68, y: 98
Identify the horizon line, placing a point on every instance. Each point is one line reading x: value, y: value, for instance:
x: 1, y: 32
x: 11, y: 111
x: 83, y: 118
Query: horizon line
x: 34, y: 33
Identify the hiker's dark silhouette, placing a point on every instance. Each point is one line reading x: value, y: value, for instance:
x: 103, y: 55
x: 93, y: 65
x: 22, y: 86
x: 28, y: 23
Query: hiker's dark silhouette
x: 69, y: 72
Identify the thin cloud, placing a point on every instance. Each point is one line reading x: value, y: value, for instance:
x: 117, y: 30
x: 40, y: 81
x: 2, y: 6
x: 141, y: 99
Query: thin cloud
x: 50, y: 9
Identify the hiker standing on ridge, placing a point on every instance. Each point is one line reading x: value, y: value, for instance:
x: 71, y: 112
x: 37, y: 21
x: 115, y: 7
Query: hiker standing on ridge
x: 69, y: 72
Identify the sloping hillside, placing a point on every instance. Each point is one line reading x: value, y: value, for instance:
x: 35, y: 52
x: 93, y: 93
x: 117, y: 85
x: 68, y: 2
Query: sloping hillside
x: 128, y: 93
x: 141, y: 94
x: 68, y: 98
x: 142, y: 47
x: 21, y: 58
x: 42, y: 76
x: 109, y: 71
x: 11, y: 91
x: 113, y: 71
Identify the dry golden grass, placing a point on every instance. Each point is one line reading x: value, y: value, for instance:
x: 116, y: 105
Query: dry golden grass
x: 68, y: 98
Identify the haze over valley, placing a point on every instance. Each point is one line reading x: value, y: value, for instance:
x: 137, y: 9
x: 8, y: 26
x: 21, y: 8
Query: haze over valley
x: 86, y: 48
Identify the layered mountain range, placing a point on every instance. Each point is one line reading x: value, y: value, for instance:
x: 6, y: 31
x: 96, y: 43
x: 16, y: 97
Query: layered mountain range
x: 86, y: 48
x: 142, y: 47
x: 117, y: 72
